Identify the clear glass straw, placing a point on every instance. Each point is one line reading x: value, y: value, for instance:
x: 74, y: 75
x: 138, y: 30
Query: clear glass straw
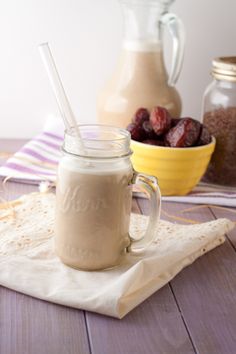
x: 58, y: 89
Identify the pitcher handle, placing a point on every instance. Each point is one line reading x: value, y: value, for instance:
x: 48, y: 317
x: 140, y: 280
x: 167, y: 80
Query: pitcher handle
x: 149, y: 185
x: 176, y: 29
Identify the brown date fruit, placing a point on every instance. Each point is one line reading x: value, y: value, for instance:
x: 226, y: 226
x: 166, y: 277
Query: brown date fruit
x: 141, y: 115
x: 154, y: 142
x: 184, y: 134
x: 160, y: 120
x: 149, y: 132
x: 136, y: 132
x: 205, y: 136
x: 175, y: 121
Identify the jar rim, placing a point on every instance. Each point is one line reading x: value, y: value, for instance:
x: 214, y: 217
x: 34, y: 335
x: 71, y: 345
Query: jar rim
x: 224, y: 68
x: 92, y: 126
x: 97, y: 141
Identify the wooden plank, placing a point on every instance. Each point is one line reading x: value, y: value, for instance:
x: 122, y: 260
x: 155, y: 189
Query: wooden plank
x: 29, y: 325
x: 32, y: 326
x: 12, y: 190
x: 155, y: 327
x: 227, y: 213
x: 205, y: 291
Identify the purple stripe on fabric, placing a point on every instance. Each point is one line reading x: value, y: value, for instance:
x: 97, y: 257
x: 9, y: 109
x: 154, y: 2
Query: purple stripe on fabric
x: 44, y: 148
x: 48, y: 143
x: 20, y: 168
x: 212, y: 196
x: 55, y: 136
x: 38, y: 156
x: 217, y: 191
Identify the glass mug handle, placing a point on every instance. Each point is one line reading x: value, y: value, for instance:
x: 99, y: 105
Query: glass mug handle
x: 177, y: 32
x: 149, y: 185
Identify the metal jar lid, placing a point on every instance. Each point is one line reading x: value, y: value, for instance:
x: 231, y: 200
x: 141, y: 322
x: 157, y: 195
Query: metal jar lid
x: 224, y: 68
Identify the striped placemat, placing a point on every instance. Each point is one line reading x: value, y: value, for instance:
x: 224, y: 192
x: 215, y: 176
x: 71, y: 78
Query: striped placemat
x: 37, y: 160
x: 205, y: 193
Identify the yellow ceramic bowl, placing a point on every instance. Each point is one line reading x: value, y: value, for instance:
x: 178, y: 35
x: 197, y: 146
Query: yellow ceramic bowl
x: 178, y: 169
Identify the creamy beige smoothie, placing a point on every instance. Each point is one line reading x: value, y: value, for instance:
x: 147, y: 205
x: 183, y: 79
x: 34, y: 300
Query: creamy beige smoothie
x: 140, y: 80
x: 92, y: 214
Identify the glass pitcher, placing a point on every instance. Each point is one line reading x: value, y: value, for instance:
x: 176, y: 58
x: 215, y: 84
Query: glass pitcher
x: 140, y: 78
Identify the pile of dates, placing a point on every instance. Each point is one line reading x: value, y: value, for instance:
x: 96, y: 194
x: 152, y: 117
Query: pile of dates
x: 159, y: 128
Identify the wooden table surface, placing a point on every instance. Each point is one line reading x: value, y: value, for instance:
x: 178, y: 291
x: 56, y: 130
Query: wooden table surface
x: 194, y: 313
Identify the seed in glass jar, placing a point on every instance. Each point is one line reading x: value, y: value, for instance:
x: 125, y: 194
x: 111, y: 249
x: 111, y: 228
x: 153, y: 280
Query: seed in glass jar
x: 141, y: 115
x: 136, y: 132
x: 221, y: 123
x: 184, y: 134
x: 160, y: 120
x: 205, y: 137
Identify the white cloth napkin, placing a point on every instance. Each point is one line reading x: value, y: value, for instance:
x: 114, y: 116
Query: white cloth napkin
x: 29, y: 265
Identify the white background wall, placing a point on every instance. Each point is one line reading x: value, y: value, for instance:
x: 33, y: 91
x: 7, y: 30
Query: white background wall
x: 85, y: 37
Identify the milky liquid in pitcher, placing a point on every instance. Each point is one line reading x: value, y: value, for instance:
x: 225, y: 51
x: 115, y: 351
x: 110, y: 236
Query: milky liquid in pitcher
x: 140, y: 80
x: 92, y: 216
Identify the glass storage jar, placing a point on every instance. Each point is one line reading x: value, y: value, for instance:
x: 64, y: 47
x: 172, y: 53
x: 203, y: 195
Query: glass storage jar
x: 219, y: 116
